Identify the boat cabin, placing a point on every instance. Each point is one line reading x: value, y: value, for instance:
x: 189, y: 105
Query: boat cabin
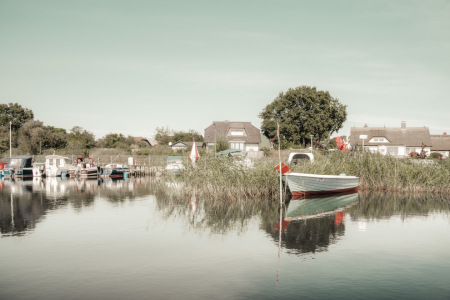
x: 295, y: 158
x: 57, y: 161
x: 84, y: 162
x: 19, y: 166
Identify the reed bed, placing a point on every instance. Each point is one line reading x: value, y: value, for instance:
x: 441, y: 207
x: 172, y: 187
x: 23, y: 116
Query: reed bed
x: 226, y: 178
x: 222, y: 177
x: 378, y: 172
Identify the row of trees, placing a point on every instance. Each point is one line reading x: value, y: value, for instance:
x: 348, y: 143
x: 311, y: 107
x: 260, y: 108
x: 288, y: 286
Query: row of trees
x: 300, y: 112
x: 32, y: 136
x: 165, y: 135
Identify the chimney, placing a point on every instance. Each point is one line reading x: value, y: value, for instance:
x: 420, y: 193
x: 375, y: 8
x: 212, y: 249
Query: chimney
x: 403, y: 125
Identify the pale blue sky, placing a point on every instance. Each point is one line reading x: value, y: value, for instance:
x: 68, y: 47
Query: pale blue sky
x: 130, y: 66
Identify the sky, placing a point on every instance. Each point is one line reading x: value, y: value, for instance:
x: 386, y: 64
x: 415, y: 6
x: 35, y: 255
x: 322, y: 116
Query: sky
x: 131, y: 66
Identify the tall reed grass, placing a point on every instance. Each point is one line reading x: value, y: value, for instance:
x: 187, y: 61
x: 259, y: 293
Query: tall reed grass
x: 384, y: 173
x: 224, y: 177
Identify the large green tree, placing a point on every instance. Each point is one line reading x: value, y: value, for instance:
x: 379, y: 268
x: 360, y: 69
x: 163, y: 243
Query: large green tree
x: 15, y: 113
x: 300, y: 112
x: 80, y: 140
x: 118, y: 140
x: 163, y: 135
x: 188, y: 136
x: 33, y: 135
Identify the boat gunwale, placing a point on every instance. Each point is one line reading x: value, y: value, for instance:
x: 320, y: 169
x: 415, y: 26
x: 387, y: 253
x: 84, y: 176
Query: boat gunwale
x: 320, y: 176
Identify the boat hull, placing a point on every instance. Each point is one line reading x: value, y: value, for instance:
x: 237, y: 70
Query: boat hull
x: 310, y: 184
x: 113, y: 172
x: 20, y: 173
x: 88, y: 172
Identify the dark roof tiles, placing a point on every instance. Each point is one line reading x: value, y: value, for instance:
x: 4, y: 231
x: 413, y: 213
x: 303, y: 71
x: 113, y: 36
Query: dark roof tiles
x: 253, y: 134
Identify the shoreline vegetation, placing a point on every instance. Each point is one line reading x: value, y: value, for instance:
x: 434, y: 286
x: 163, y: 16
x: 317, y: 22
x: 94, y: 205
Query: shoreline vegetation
x: 223, y: 178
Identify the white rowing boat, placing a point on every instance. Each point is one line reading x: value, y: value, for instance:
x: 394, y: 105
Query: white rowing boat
x: 312, y: 184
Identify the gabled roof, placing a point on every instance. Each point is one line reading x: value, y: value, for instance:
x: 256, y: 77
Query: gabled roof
x: 409, y: 137
x: 253, y: 134
x: 188, y: 144
x: 150, y: 141
x: 440, y: 142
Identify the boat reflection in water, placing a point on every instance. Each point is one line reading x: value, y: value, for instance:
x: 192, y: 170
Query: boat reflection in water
x: 306, y: 208
x: 310, y: 225
x: 24, y: 202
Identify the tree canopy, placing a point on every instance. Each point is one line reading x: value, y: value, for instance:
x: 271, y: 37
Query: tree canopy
x: 301, y: 112
x: 15, y: 113
x: 188, y: 136
x: 166, y: 135
x: 80, y: 141
x: 118, y: 140
x: 33, y: 135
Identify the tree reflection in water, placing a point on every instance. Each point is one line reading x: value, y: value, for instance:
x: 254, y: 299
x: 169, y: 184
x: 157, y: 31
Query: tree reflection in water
x: 24, y: 203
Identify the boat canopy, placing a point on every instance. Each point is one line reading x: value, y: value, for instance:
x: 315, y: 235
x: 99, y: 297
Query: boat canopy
x: 84, y: 159
x: 174, y: 159
x: 231, y: 153
x: 21, y: 161
x: 295, y: 157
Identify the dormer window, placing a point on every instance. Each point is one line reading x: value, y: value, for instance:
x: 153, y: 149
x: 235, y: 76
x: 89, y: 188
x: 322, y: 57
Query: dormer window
x: 378, y: 140
x: 237, y: 132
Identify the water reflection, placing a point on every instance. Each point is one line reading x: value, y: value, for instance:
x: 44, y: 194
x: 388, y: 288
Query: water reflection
x: 139, y: 231
x: 25, y: 202
x: 307, y: 225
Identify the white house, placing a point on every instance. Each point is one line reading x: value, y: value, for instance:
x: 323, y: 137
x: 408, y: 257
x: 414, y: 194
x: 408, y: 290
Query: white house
x: 240, y: 135
x: 396, y: 141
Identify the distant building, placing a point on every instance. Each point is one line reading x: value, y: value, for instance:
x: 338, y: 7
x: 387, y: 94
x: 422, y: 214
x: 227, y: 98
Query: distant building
x: 186, y: 145
x: 441, y: 144
x: 240, y: 135
x: 396, y: 141
x: 150, y: 141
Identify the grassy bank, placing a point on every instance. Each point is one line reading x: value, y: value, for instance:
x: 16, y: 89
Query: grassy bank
x: 220, y: 177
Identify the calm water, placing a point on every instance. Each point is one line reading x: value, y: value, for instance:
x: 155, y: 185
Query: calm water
x: 128, y: 239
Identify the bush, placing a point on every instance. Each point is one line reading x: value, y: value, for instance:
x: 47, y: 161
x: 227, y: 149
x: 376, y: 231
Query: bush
x: 436, y: 155
x: 267, y: 151
x: 414, y: 154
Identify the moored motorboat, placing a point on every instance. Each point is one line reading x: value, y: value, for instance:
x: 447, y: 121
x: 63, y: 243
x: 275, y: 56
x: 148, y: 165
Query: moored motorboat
x: 84, y: 167
x: 174, y: 164
x: 38, y: 169
x: 313, y: 184
x: 55, y: 165
x: 114, y: 170
x: 18, y: 166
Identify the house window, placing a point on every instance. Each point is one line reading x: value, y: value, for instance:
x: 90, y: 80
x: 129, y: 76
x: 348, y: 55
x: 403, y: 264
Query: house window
x: 58, y: 161
x: 239, y: 146
x: 378, y: 140
x: 237, y: 132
